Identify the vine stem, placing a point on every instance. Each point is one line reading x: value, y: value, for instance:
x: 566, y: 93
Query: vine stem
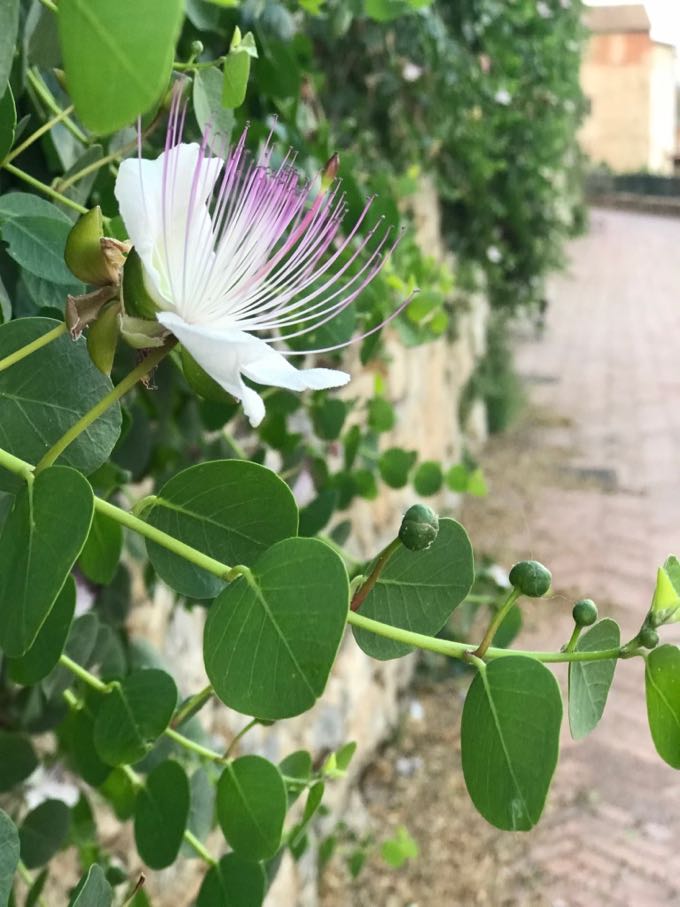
x: 462, y: 650
x: 34, y: 136
x: 496, y: 621
x: 372, y: 578
x: 40, y: 88
x: 52, y: 7
x: 429, y: 643
x: 192, y: 705
x: 44, y: 188
x: 31, y: 347
x: 128, y: 382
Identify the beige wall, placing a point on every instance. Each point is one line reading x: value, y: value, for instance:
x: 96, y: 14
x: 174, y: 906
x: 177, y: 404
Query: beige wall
x: 630, y: 83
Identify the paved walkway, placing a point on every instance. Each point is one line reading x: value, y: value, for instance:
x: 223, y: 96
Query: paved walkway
x: 608, y: 367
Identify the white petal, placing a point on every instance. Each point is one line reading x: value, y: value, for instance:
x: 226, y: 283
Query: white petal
x: 163, y: 206
x: 227, y: 355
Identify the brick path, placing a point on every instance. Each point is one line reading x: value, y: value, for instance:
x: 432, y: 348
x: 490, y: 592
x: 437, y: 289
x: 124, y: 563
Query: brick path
x: 609, y: 364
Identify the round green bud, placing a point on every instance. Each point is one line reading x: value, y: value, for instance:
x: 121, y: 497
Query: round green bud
x: 83, y: 252
x: 419, y: 527
x: 196, y: 48
x: 584, y: 612
x: 530, y: 578
x: 648, y: 638
x: 136, y: 298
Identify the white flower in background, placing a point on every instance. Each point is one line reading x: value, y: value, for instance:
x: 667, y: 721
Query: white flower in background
x: 411, y: 72
x: 239, y: 257
x: 494, y: 254
x: 543, y: 10
x: 503, y: 97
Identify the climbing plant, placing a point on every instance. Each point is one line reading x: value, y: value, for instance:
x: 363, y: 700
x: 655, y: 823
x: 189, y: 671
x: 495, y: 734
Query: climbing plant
x: 167, y: 264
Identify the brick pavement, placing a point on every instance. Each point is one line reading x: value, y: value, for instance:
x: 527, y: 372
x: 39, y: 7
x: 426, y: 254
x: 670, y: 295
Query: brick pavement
x: 609, y: 365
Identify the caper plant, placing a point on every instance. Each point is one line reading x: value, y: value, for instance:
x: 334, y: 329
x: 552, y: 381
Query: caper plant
x: 163, y: 263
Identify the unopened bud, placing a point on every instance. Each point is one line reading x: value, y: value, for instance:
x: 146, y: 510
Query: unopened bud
x: 648, y: 638
x: 92, y: 257
x: 196, y: 48
x: 330, y: 171
x: 530, y: 578
x: 142, y: 334
x: 584, y: 612
x: 419, y: 527
x: 137, y: 300
x: 102, y: 337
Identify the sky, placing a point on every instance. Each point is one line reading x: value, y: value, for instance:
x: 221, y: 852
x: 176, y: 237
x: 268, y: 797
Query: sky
x: 664, y: 16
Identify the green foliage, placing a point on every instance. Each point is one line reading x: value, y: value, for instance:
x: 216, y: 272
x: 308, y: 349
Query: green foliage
x: 257, y: 659
x: 93, y: 890
x: 233, y: 882
x: 589, y: 682
x: 161, y: 814
x: 117, y: 57
x: 17, y: 759
x: 662, y: 683
x: 39, y: 543
x: 510, y: 738
x: 9, y: 856
x: 251, y: 807
x: 43, y: 832
x: 400, y: 848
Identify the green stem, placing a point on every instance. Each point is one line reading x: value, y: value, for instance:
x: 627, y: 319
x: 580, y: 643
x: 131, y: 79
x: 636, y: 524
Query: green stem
x: 204, y: 854
x: 144, y: 367
x: 44, y: 188
x: 193, y: 747
x: 244, y: 730
x: 495, y: 623
x: 217, y: 568
x: 29, y: 881
x: 461, y: 649
x: 31, y: 347
x: 193, y: 704
x: 573, y: 639
x: 190, y: 66
x: 372, y: 578
x: 37, y: 84
x: 234, y: 444
x: 83, y: 674
x: 34, y: 136
x: 50, y: 6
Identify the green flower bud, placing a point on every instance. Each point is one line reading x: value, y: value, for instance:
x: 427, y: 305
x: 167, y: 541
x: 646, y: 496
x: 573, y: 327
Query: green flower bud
x: 92, y: 257
x: 102, y: 337
x: 530, y: 578
x: 648, y: 638
x: 584, y: 612
x: 136, y: 298
x: 141, y: 334
x: 201, y: 382
x: 419, y: 527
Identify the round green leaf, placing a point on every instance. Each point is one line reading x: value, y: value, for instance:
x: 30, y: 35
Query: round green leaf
x: 207, y: 97
x: 589, y: 681
x: 510, y: 740
x: 99, y: 558
x: 418, y: 590
x: 428, y: 478
x: 50, y: 641
x: 161, y: 813
x: 39, y: 543
x: 381, y: 416
x: 231, y: 510
x: 134, y: 715
x: 78, y: 732
x: 117, y: 56
x: 43, y: 832
x: 395, y: 465
x: 251, y: 807
x: 269, y: 644
x: 93, y: 890
x: 236, y: 72
x: 9, y: 856
x: 662, y: 683
x: 80, y: 643
x: 17, y: 759
x: 234, y: 882
x: 44, y: 394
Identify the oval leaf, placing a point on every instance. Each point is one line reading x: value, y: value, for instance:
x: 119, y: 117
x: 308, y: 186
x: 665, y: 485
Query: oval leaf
x: 418, y: 590
x: 233, y: 882
x: 251, y: 807
x: 43, y: 832
x: 37, y: 244
x: 231, y: 510
x: 161, y: 813
x: 93, y: 890
x: 510, y: 739
x: 662, y: 684
x: 17, y: 759
x: 9, y: 856
x: 269, y: 645
x: 117, y: 56
x: 134, y: 715
x: 39, y: 543
x: 589, y: 681
x: 8, y: 121
x: 99, y: 558
x: 44, y: 394
x: 50, y: 641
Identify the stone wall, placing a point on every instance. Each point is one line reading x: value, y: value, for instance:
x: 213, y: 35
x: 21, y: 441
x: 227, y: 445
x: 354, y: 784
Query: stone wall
x: 361, y: 702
